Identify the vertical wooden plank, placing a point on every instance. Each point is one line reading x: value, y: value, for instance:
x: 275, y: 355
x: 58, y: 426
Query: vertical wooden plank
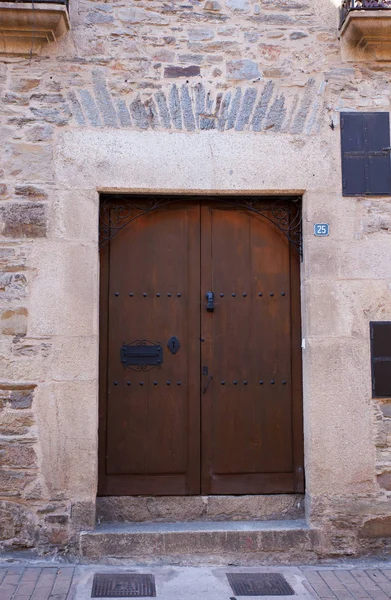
x: 377, y: 138
x: 207, y: 366
x: 103, y: 364
x: 193, y: 317
x: 297, y: 374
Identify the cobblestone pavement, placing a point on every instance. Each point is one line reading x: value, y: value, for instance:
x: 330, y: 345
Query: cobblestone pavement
x: 35, y: 583
x: 346, y: 584
x: 26, y: 582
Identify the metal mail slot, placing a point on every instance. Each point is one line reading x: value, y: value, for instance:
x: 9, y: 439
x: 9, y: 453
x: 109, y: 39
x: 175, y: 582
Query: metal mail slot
x: 141, y: 353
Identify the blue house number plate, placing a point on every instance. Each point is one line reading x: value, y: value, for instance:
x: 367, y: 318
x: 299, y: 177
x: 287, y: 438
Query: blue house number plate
x: 321, y: 229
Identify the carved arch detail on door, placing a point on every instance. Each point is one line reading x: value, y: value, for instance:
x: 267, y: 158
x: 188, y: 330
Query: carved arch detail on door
x: 117, y: 211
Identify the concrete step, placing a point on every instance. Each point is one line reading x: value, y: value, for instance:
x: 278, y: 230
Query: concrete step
x: 196, y: 542
x: 199, y: 508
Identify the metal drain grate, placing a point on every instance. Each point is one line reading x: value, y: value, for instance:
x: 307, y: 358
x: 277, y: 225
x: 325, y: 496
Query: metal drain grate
x: 123, y: 585
x: 259, y: 584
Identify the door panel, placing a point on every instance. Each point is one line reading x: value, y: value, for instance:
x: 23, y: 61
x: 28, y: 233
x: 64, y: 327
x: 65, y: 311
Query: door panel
x: 247, y: 409
x: 159, y: 433
x: 153, y: 416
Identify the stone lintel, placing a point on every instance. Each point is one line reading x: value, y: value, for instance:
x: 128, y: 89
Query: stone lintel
x: 366, y: 35
x: 25, y: 28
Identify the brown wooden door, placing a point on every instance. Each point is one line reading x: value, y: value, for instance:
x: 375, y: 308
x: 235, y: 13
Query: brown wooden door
x: 250, y: 427
x: 150, y: 420
x: 223, y: 414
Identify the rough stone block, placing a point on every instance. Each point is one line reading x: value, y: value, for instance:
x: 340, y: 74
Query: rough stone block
x: 222, y: 46
x: 12, y: 286
x: 206, y: 543
x: 23, y: 220
x: 173, y: 71
x: 139, y: 114
x: 193, y: 508
x: 135, y: 16
x: 276, y: 114
x: 164, y: 55
x: 77, y: 110
x: 83, y: 515
x: 384, y: 481
x: 298, y: 35
x: 130, y: 509
x: 57, y: 116
x: 90, y: 108
x: 53, y: 537
x: 377, y: 528
x: 25, y: 84
x: 246, y: 109
x: 13, y: 321
x: 15, y: 423
x: 239, y: 5
x: 14, y: 454
x: 12, y: 483
x: 57, y: 519
x: 31, y: 192
x: 386, y: 410
x: 103, y: 99
x: 15, y: 396
x: 12, y: 259
x: 234, y: 109
x: 255, y: 507
x: 212, y: 5
x: 164, y: 113
x: 200, y: 34
x: 100, y: 15
x: 175, y: 108
x: 16, y: 526
x: 152, y: 113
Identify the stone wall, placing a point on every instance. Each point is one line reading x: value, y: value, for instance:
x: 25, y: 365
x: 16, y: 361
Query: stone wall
x: 139, y: 96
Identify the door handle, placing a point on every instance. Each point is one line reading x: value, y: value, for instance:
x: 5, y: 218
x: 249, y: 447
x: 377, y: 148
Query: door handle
x: 210, y: 306
x: 207, y: 384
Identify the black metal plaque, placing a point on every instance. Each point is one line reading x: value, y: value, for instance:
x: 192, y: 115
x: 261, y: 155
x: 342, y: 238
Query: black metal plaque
x: 259, y: 584
x: 123, y: 585
x: 141, y: 353
x: 173, y: 344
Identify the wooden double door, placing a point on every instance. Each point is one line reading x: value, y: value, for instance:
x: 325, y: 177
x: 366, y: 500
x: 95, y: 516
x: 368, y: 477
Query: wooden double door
x: 200, y: 350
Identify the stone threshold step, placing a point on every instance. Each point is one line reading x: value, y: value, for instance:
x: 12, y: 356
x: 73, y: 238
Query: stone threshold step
x: 201, y: 526
x: 199, y: 508
x: 211, y: 542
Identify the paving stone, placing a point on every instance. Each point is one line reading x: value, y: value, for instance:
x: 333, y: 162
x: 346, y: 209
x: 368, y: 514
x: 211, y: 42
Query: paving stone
x: 66, y: 582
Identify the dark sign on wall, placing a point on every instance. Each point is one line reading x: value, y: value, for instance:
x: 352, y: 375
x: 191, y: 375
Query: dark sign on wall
x: 381, y: 358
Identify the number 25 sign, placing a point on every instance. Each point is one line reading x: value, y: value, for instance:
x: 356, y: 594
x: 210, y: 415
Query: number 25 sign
x: 321, y: 229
